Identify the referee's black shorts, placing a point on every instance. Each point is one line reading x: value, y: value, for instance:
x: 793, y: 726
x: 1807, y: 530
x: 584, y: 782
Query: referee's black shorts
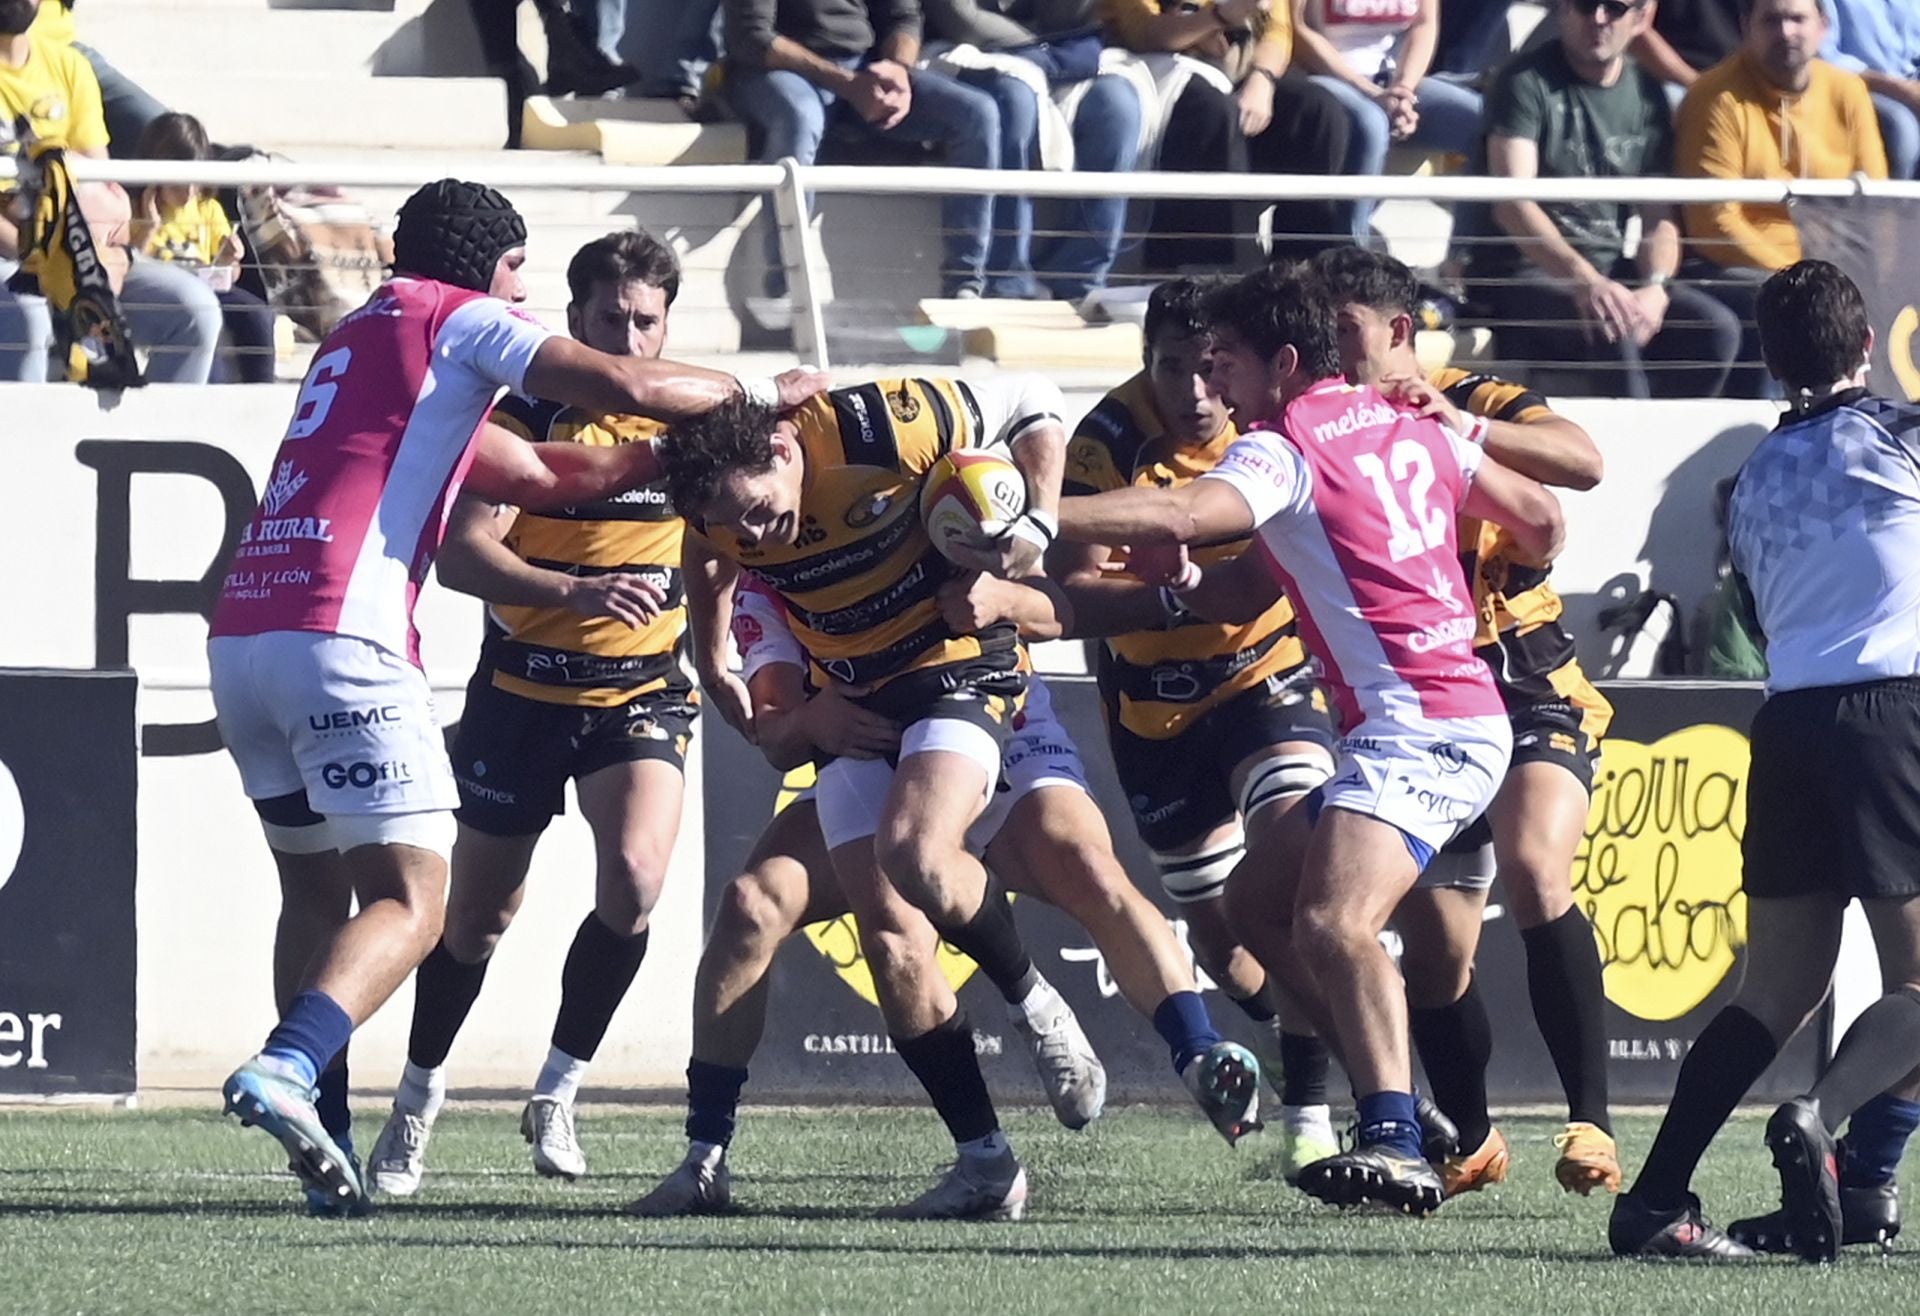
x: 1833, y: 796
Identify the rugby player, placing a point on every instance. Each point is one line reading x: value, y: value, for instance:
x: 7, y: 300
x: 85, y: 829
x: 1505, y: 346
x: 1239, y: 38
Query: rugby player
x: 1354, y: 504
x: 1042, y: 832
x: 822, y: 506
x: 1536, y: 822
x: 579, y: 678
x: 1216, y: 730
x: 1823, y: 528
x: 313, y: 657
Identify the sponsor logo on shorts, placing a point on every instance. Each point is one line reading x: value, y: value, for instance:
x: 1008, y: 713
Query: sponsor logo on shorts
x: 1146, y: 817
x: 643, y: 727
x: 1562, y: 743
x: 489, y: 794
x: 365, y: 775
x: 1359, y: 745
x: 1447, y: 756
x: 1437, y: 804
x: 1175, y: 685
x: 354, y: 719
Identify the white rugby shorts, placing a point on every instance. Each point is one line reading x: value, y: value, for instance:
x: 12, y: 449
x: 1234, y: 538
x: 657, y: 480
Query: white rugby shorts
x: 1428, y: 777
x: 339, y: 717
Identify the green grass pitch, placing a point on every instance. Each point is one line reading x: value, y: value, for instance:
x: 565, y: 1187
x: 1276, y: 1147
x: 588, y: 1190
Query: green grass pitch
x: 1148, y: 1211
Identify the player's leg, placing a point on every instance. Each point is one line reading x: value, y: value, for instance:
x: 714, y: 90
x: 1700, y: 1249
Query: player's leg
x: 1439, y: 924
x: 1538, y: 819
x: 788, y: 884
x: 633, y: 807
x: 1056, y: 844
x: 316, y: 899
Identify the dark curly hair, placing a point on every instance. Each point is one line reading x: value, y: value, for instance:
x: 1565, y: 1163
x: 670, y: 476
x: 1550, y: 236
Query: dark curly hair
x: 1355, y: 276
x: 700, y: 453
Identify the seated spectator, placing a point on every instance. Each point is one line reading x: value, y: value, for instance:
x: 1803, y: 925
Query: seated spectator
x: 1290, y: 124
x: 189, y: 227
x: 129, y: 108
x: 792, y: 63
x: 1686, y: 38
x: 169, y: 312
x: 671, y: 44
x: 1880, y: 40
x: 1374, y: 55
x: 1556, y: 274
x: 1052, y: 51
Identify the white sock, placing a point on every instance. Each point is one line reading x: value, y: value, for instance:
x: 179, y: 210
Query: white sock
x: 1040, y: 1001
x: 422, y: 1091
x: 1308, y: 1119
x: 707, y: 1155
x: 560, y: 1077
x: 990, y: 1148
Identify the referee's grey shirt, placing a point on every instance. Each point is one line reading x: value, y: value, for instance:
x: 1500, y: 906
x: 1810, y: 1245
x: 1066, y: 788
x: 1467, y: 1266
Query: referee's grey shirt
x: 1824, y: 527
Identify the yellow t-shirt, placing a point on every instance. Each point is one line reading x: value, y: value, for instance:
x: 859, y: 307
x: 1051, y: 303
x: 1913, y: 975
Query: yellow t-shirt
x: 59, y: 95
x: 54, y: 23
x: 192, y: 233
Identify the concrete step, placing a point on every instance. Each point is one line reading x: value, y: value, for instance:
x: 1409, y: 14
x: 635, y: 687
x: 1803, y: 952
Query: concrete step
x: 283, y: 110
x: 633, y: 132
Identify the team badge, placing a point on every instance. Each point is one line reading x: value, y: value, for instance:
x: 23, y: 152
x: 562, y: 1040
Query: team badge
x: 904, y: 405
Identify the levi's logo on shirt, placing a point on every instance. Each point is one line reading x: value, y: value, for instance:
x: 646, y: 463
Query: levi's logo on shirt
x: 1372, y: 11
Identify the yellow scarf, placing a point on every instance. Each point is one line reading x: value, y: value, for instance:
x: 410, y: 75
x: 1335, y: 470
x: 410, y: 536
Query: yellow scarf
x: 59, y: 253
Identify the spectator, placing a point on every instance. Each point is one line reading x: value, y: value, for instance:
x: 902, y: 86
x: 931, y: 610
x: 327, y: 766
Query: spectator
x: 792, y: 63
x: 1056, y: 53
x: 188, y: 227
x: 129, y: 108
x: 1290, y: 125
x: 1686, y: 38
x: 168, y: 311
x: 1578, y: 108
x: 671, y: 44
x: 1374, y: 55
x: 1880, y: 40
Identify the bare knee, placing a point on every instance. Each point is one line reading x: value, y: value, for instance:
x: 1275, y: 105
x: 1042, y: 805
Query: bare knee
x: 472, y: 932
x: 1537, y: 891
x: 915, y: 863
x: 751, y: 918
x: 629, y: 887
x: 1325, y: 937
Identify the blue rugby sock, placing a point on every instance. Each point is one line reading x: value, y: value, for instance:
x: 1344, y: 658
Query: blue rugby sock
x: 1876, y: 1139
x: 1390, y: 1120
x: 311, y: 1033
x: 1183, y: 1021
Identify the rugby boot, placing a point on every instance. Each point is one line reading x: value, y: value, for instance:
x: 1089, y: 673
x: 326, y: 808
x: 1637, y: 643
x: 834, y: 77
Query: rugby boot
x: 1439, y: 1136
x: 1306, y: 1136
x: 1869, y: 1216
x: 700, y: 1185
x: 1636, y: 1229
x: 1375, y: 1176
x: 1484, y: 1168
x: 1588, y: 1159
x: 261, y: 1094
x: 1070, y: 1071
x: 547, y: 1125
x: 1226, y: 1083
x: 1809, y: 1164
x: 400, y: 1154
x: 973, y: 1188
x: 322, y: 1207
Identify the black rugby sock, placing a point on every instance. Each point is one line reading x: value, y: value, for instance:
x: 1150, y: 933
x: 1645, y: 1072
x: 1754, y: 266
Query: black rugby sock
x: 600, y: 967
x: 992, y: 940
x: 1733, y: 1050
x: 1876, y: 1053
x: 1569, y: 1007
x: 949, y: 1069
x: 1455, y: 1042
x: 1305, y: 1063
x: 444, y: 990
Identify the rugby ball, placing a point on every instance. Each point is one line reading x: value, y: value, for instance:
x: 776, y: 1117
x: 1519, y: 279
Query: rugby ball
x: 971, y: 498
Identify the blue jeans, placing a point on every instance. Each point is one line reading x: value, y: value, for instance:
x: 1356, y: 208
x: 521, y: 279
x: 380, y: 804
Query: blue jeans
x: 788, y: 114
x: 26, y: 333
x: 1900, y: 129
x: 1449, y: 121
x: 1106, y: 139
x: 170, y: 312
x: 670, y: 43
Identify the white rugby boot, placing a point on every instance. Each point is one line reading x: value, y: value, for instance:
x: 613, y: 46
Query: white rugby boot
x: 974, y: 1188
x: 700, y: 1185
x: 400, y: 1155
x: 547, y: 1125
x: 1070, y: 1071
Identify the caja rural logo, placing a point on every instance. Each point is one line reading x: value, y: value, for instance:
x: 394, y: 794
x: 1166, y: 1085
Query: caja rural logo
x: 1658, y: 872
x: 838, y: 939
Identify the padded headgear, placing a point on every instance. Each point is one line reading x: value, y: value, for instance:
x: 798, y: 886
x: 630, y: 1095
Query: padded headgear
x: 456, y: 232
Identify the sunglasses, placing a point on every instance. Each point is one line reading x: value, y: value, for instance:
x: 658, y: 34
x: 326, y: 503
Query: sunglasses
x: 1615, y: 9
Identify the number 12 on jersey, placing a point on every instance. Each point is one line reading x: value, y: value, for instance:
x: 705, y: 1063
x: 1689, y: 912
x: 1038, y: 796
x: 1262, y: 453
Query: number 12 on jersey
x: 1412, y: 474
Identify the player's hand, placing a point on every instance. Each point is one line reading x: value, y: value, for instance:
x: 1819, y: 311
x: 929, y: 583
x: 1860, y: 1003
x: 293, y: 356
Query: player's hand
x: 1422, y: 397
x: 623, y: 595
x: 1010, y: 556
x: 1612, y: 306
x: 1157, y: 564
x: 727, y: 695
x: 975, y: 601
x: 1255, y: 102
x: 837, y: 725
x: 799, y: 384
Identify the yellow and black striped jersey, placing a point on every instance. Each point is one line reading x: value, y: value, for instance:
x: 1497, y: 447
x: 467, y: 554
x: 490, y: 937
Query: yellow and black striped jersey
x: 1520, y: 636
x: 1160, y: 682
x: 557, y: 655
x: 860, y: 580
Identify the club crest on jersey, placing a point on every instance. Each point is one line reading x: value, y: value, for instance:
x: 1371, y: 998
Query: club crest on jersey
x: 904, y: 405
x: 870, y: 509
x: 286, y: 482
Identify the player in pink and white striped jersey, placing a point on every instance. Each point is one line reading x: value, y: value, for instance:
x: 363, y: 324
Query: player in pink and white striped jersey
x: 1354, y: 500
x: 313, y: 654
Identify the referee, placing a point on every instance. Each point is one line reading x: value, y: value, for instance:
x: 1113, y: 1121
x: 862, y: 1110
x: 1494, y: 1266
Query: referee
x: 1824, y: 526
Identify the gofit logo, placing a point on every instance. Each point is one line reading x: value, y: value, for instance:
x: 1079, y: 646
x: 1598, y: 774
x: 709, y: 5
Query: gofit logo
x: 364, y: 776
x: 1659, y: 871
x: 838, y: 940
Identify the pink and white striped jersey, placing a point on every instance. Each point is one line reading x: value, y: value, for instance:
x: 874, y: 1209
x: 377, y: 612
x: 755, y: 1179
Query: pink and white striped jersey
x: 1356, y: 501
x: 381, y: 437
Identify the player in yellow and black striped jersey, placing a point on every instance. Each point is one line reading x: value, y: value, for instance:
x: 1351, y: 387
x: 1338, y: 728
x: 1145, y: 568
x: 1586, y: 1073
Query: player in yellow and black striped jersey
x: 580, y: 677
x: 1537, y: 821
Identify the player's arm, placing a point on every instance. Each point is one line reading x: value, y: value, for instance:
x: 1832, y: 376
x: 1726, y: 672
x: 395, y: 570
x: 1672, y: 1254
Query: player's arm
x: 475, y: 559
x: 708, y: 580
x: 544, y: 476
x: 974, y: 600
x: 1525, y: 507
x: 573, y: 373
x: 1024, y: 415
x: 1100, y: 601
x: 791, y: 724
x: 1201, y: 512
x: 1526, y: 435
